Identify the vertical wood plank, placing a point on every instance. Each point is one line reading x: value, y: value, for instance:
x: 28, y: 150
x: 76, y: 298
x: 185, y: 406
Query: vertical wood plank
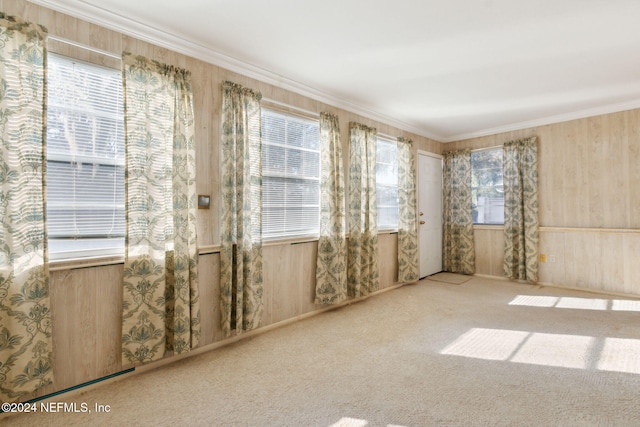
x: 631, y: 255
x: 482, y: 239
x: 597, y: 181
x: 209, y: 285
x: 611, y: 262
x: 568, y: 178
x: 497, y: 252
x: 551, y: 164
x: 388, y: 259
x: 108, y: 293
x: 308, y: 278
x: 582, y: 211
x: 282, y: 283
x: 632, y: 162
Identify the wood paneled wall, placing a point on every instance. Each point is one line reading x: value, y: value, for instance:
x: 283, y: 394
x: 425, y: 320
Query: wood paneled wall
x: 87, y: 302
x: 589, y: 199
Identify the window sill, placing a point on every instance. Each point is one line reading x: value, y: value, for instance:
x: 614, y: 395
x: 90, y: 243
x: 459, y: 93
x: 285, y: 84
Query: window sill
x: 488, y: 226
x: 75, y: 263
x: 105, y: 260
x: 102, y: 261
x: 389, y: 231
x: 289, y: 241
x: 309, y: 239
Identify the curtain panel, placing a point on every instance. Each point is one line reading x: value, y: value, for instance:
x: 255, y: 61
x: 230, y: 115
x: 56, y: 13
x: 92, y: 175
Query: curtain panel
x: 362, y: 266
x: 241, y: 288
x: 25, y: 309
x: 331, y: 267
x: 161, y: 303
x: 458, y: 241
x: 408, y: 261
x: 520, y: 174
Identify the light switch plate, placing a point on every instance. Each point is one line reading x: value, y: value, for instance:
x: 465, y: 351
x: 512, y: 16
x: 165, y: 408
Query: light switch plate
x: 204, y: 201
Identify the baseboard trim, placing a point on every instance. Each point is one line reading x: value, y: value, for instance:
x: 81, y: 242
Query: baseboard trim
x: 569, y: 288
x: 261, y: 330
x: 504, y: 279
x: 593, y: 291
x: 129, y: 371
x: 76, y: 389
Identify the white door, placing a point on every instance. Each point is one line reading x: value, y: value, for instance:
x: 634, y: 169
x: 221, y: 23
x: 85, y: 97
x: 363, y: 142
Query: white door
x: 430, y: 213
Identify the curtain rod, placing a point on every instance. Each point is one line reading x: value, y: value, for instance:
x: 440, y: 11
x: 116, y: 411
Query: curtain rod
x: 315, y: 114
x: 487, y: 148
x: 291, y: 107
x: 385, y: 136
x: 84, y: 46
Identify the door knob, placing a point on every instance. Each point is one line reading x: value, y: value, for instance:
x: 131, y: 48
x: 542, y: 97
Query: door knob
x: 421, y: 213
x: 421, y: 222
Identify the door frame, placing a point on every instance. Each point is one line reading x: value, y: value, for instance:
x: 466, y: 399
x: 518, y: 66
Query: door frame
x: 432, y: 155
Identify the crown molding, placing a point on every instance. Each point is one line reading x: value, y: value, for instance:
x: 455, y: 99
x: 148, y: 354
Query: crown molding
x: 124, y: 25
x: 549, y: 120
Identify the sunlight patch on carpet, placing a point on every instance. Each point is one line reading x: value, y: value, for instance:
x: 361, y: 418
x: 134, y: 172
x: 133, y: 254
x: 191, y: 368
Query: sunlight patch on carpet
x: 355, y: 422
x: 556, y: 350
x: 350, y: 422
x: 620, y: 355
x: 576, y: 303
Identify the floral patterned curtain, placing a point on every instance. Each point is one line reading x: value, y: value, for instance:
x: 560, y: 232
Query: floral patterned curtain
x: 25, y: 316
x: 520, y: 174
x: 458, y: 243
x: 408, y: 267
x: 241, y: 287
x: 362, y: 271
x: 160, y: 307
x: 331, y: 269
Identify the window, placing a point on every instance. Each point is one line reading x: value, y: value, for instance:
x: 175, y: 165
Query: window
x: 486, y: 186
x: 85, y: 159
x: 387, y: 184
x: 290, y: 175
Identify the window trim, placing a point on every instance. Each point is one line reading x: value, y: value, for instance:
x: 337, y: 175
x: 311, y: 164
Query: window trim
x: 104, y: 256
x: 387, y: 230
x: 479, y: 225
x: 288, y: 110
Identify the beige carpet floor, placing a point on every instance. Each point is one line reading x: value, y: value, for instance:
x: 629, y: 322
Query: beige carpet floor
x: 484, y: 353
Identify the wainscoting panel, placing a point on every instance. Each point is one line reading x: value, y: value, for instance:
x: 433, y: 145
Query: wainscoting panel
x: 603, y: 260
x: 489, y: 242
x: 388, y: 259
x: 596, y: 259
x: 209, y: 282
x: 86, y: 311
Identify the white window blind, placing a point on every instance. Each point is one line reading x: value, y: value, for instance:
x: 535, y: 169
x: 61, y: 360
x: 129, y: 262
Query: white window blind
x: 387, y: 184
x: 290, y: 175
x: 85, y: 159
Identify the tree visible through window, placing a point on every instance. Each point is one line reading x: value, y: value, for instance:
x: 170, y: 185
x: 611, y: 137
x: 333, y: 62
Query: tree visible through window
x: 486, y: 186
x: 387, y: 184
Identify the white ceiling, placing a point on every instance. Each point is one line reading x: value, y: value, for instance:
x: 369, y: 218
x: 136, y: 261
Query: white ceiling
x: 443, y: 69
